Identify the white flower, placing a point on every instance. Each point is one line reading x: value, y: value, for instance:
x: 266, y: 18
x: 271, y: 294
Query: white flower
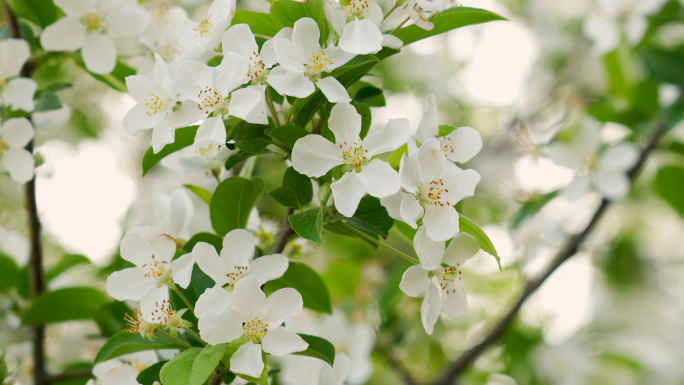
x: 240, y: 41
x: 357, y: 24
x: 210, y: 97
x: 313, y: 155
x: 199, y: 37
x: 174, y: 212
x: 444, y: 292
x: 152, y: 253
x: 122, y: 375
x: 15, y: 134
x: 460, y: 145
x: 302, y: 62
x: 90, y: 25
x: 259, y: 319
x: 15, y: 245
x: 191, y: 160
x: 155, y: 308
x: 234, y: 264
x: 265, y: 228
x: 419, y: 11
x: 606, y: 172
x: 15, y: 92
x: 298, y: 370
x: 156, y: 99
x: 431, y: 186
x: 160, y: 36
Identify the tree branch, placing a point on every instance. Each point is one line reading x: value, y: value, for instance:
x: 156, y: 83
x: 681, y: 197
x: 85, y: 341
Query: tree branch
x: 285, y: 232
x: 570, y: 249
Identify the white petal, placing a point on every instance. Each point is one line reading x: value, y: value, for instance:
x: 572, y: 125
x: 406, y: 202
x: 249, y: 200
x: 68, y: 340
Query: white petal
x: 186, y: 114
x: 428, y: 5
x: 276, y: 77
x: 429, y: 252
x: 297, y: 85
x: 243, y: 102
x: 333, y: 90
x: 431, y: 162
x: 258, y: 114
x: 347, y: 192
x: 379, y: 179
x: 164, y: 247
x: 441, y: 223
x: 414, y: 281
x: 221, y: 327
x: 460, y: 183
x: 152, y: 301
x: 393, y: 205
x: 577, y: 188
x: 75, y: 8
x: 209, y: 262
x: 391, y: 136
x: 128, y: 21
x: 239, y: 39
x: 120, y: 376
x: 282, y: 305
x: 361, y: 37
x: 268, y: 267
x: 454, y: 302
x: 138, y: 119
x: 182, y: 270
x: 214, y: 300
x: 620, y: 157
x: 288, y: 56
x: 335, y: 16
x: 613, y: 185
x: 248, y: 299
x: 134, y: 249
x: 19, y: 163
x: 279, y: 342
x: 13, y: 54
x: 345, y: 123
x: 238, y: 247
x: 391, y: 41
x: 99, y: 53
x: 66, y: 34
x: 211, y: 131
x: 232, y: 73
x: 410, y: 173
x: 338, y: 57
x: 247, y: 360
x: 305, y: 37
x: 464, y: 143
x: 430, y: 309
x: 193, y: 77
x: 461, y: 248
x: 410, y: 210
x: 313, y: 156
x: 130, y: 284
x: 16, y: 132
x: 181, y: 210
x: 420, y: 21
x: 268, y: 53
x: 18, y: 93
x: 162, y: 134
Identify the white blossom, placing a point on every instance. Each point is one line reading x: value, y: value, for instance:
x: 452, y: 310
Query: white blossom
x: 15, y: 134
x: 357, y: 24
x: 299, y: 370
x: 197, y: 38
x: 174, y: 212
x: 16, y: 92
x: 192, y: 160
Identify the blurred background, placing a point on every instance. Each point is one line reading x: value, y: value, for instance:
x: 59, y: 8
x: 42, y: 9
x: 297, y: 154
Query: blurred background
x: 533, y: 86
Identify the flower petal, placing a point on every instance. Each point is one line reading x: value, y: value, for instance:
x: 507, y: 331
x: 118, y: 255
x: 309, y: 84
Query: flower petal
x: 459, y: 183
x: 186, y: 114
x: 454, y: 302
x: 288, y: 57
x: 193, y: 77
x: 182, y: 270
x: 239, y: 39
x: 338, y: 58
x: 281, y: 305
x: 379, y: 179
x: 348, y: 192
x: 361, y: 37
x: 430, y: 309
x: 441, y: 223
x: 135, y: 250
x: 221, y: 327
x: 209, y: 262
x: 162, y: 134
x: 333, y: 90
x: 279, y: 342
x: 392, y: 204
x: 18, y: 93
x: 613, y: 185
x: 410, y: 173
x: 99, y: 53
x: 67, y: 34
x: 152, y: 301
x: 345, y: 123
x: 181, y: 210
x: 214, y: 300
x: 232, y: 72
x: 429, y: 252
x: 19, y: 163
x: 243, y: 102
x: 129, y: 20
x: 391, y: 41
x: 16, y: 132
x: 268, y: 267
x: 414, y: 281
x: 248, y: 299
x: 13, y: 54
x: 130, y: 284
x: 211, y: 131
x: 431, y: 162
x: 123, y: 375
x: 238, y: 248
x: 247, y: 360
x: 391, y: 136
x: 464, y: 143
x: 297, y: 85
x: 268, y: 53
x: 313, y: 156
x: 461, y: 248
x: 410, y: 210
x: 305, y: 37
x: 620, y: 157
x: 164, y: 247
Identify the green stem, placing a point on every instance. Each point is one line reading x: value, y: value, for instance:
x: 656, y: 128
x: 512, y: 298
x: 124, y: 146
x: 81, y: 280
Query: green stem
x: 388, y: 247
x: 180, y: 294
x: 271, y: 109
x: 391, y: 10
x: 179, y: 342
x: 194, y: 334
x: 399, y: 26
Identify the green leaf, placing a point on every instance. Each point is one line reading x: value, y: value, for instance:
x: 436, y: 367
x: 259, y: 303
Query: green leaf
x: 177, y: 370
x: 394, y: 159
x: 201, y: 193
x: 47, y: 101
x: 370, y: 95
x: 446, y: 21
x: 371, y: 216
x: 205, y: 363
x: 209, y: 238
x: 669, y: 184
x: 123, y: 343
x: 9, y: 272
x: 111, y: 318
x: 151, y: 374
x: 296, y: 190
x: 232, y: 202
x: 288, y: 134
x: 67, y: 304
x: 251, y: 137
x: 308, y: 224
x: 318, y: 348
x: 324, y: 193
x: 531, y: 207
x: 365, y: 112
x: 67, y: 262
x: 286, y: 12
x: 40, y: 12
x: 308, y: 283
x: 466, y: 226
x: 664, y: 65
x: 184, y: 137
x: 259, y: 23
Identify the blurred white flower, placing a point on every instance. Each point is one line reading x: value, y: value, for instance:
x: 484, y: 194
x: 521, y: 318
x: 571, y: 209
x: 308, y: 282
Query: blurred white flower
x: 299, y: 370
x: 264, y: 228
x: 15, y: 245
x: 192, y: 160
x: 313, y: 155
x: 16, y: 92
x: 303, y: 61
x: 90, y: 25
x: 15, y: 134
x: 443, y: 286
x: 197, y: 38
x: 122, y: 375
x: 174, y: 212
x: 160, y: 36
x: 259, y: 319
x: 357, y: 24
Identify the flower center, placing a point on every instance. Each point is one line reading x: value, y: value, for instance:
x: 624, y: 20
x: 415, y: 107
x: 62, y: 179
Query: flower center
x: 257, y: 70
x: 158, y: 270
x: 203, y: 28
x: 154, y: 104
x: 210, y: 100
x: 433, y: 194
x: 358, y: 8
x: 138, y: 325
x: 255, y: 330
x: 162, y: 312
x: 236, y: 275
x: 589, y: 165
x: 445, y: 143
x: 95, y: 22
x: 446, y: 277
x: 317, y: 64
x: 354, y: 154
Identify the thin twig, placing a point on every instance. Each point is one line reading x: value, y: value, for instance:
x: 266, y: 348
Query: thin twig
x: 383, y: 244
x: 69, y: 375
x: 285, y: 232
x: 570, y: 249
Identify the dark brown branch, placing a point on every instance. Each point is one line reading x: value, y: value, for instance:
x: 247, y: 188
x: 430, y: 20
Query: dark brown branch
x: 570, y: 249
x: 69, y: 375
x: 285, y: 232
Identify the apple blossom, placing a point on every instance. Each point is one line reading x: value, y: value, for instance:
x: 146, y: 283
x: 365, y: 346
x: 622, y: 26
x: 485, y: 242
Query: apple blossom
x: 155, y: 308
x: 264, y: 228
x: 122, y: 375
x: 443, y: 286
x: 431, y: 187
x: 234, y: 264
x: 15, y: 134
x: 16, y: 92
x: 257, y: 318
x: 313, y: 155
x: 174, y: 212
x: 197, y: 38
x: 90, y: 25
x: 160, y: 37
x: 298, y: 370
x: 357, y: 24
x: 192, y: 160
x: 303, y: 61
